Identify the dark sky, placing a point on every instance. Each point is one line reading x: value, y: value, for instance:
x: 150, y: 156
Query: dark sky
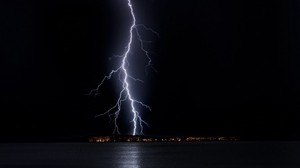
x: 223, y: 67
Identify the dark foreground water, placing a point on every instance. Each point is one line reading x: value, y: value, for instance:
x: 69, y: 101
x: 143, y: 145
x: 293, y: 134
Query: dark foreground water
x: 151, y: 155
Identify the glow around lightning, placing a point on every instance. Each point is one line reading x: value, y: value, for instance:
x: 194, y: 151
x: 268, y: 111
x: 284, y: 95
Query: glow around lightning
x: 125, y: 95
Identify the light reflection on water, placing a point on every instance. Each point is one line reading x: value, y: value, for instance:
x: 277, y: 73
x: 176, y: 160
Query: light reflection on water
x: 128, y: 156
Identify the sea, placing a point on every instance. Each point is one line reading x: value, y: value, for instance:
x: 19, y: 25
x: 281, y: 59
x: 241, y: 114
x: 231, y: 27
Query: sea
x: 151, y: 155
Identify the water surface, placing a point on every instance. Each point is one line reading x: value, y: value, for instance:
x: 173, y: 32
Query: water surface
x: 151, y: 155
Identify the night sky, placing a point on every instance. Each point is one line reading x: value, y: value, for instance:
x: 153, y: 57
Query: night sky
x: 223, y: 67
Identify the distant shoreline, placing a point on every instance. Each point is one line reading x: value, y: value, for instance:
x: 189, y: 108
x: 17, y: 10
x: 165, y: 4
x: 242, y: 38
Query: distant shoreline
x: 131, y: 138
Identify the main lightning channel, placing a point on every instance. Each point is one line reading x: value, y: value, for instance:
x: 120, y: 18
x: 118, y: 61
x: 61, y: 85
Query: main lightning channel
x: 125, y: 93
x: 136, y: 115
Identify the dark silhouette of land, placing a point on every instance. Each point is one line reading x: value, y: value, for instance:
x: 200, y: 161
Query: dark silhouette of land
x: 142, y: 138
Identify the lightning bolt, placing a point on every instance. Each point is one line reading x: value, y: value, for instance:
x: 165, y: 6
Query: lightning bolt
x: 125, y: 95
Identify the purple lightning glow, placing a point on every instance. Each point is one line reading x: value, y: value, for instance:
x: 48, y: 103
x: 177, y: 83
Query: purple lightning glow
x: 125, y: 95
